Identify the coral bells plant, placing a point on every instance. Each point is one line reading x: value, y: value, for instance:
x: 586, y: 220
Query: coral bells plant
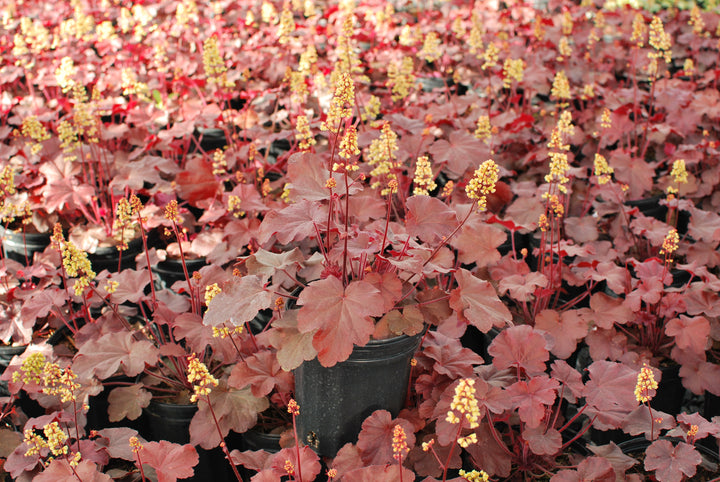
x: 381, y: 271
x: 58, y: 445
x: 529, y: 194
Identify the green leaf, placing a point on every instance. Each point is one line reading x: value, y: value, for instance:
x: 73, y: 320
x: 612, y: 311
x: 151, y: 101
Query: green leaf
x: 157, y: 98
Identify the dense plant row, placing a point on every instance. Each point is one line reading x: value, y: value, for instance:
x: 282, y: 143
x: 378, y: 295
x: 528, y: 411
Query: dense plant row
x: 197, y: 199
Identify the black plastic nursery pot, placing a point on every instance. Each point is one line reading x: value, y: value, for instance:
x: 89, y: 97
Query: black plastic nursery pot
x: 651, y: 207
x: 7, y: 352
x: 257, y: 440
x: 171, y: 422
x: 21, y: 247
x: 171, y: 271
x: 109, y: 258
x: 335, y: 401
x: 168, y: 421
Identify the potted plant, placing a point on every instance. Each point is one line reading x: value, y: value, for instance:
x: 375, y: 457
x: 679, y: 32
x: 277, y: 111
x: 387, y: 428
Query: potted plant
x: 379, y: 274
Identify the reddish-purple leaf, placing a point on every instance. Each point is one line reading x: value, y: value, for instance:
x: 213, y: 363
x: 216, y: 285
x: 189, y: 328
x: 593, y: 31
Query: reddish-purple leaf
x: 263, y: 373
x: 389, y: 285
x: 616, y: 277
x: 614, y: 454
x: 60, y: 470
x: 309, y: 463
x: 592, y: 469
x: 198, y: 336
x: 379, y: 473
x: 279, y: 266
x: 347, y: 459
x: 691, y: 333
x: 704, y: 428
x: 295, y: 222
x: 697, y: 374
x: 531, y: 398
x: 63, y: 190
x: 610, y: 393
x: 235, y: 410
x: 197, y: 182
x: 671, y: 464
x: 451, y: 359
x: 701, y: 301
x: 606, y: 344
x: 171, y: 461
x: 266, y: 475
x: 118, y: 442
x: 521, y: 287
x: 127, y: 402
x: 704, y: 226
x: 341, y: 316
x: 570, y: 378
x: 307, y: 175
x: 486, y: 453
x: 425, y: 466
x: 606, y: 311
x: 104, y: 356
x: 632, y: 171
x: 429, y: 218
x: 543, y: 442
x: 460, y: 151
x: 639, y: 422
x: 487, y: 396
x: 477, y: 303
x: 239, y: 302
x: 94, y: 451
x: 253, y: 460
x: 520, y: 346
x: 17, y: 462
x: 566, y: 329
x: 375, y: 440
x: 293, y: 347
x: 131, y: 285
x: 178, y: 129
x: 410, y: 321
x: 582, y: 229
x: 477, y: 242
x: 42, y: 302
x: 649, y: 228
x: 9, y: 441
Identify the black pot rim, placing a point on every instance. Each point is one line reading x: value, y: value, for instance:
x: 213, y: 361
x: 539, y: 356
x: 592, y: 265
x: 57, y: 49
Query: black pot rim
x: 171, y: 410
x: 13, y: 349
x: 388, y: 348
x: 30, y: 235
